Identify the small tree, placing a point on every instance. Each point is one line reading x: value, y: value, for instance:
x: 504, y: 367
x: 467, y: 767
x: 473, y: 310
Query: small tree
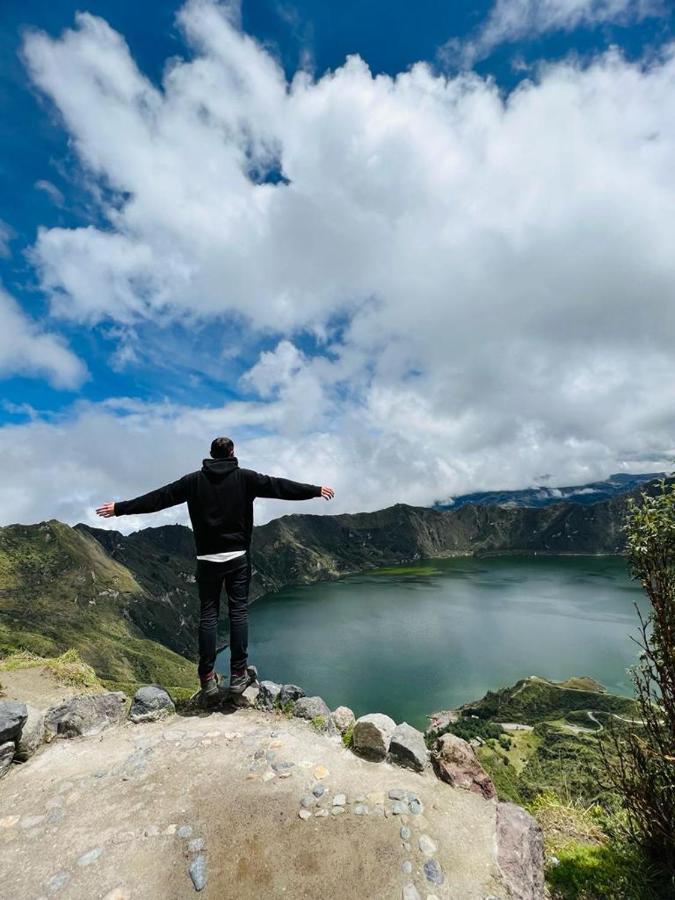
x: 641, y: 757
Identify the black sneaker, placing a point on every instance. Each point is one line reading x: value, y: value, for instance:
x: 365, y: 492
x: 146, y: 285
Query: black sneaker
x: 240, y: 681
x: 211, y: 689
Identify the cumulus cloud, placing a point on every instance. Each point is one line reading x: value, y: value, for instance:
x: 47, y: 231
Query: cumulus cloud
x: 512, y: 20
x: 487, y: 283
x: 26, y: 349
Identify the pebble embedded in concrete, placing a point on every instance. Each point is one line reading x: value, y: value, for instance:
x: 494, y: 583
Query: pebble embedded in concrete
x: 426, y: 845
x: 339, y: 800
x: 198, y: 872
x: 90, y: 856
x: 405, y: 833
x: 433, y: 871
x: 185, y: 831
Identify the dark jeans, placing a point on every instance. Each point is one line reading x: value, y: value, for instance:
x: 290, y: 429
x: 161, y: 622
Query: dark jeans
x: 236, y: 575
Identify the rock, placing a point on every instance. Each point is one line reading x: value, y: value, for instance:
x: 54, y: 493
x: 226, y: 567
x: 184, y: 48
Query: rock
x: 320, y: 772
x: 86, y: 714
x: 6, y: 756
x: 520, y: 852
x: 185, y: 831
x: 456, y: 763
x: 268, y: 695
x: 434, y: 873
x: 426, y: 845
x: 360, y: 809
x: 32, y: 821
x: 196, y: 845
x: 310, y: 708
x: 337, y: 810
x: 56, y: 882
x: 405, y: 833
x: 32, y: 734
x: 308, y: 801
x: 407, y: 748
x: 399, y: 808
x: 343, y: 718
x: 397, y: 794
x: 415, y: 806
x: 319, y: 790
x: 151, y: 703
x: 12, y: 716
x: 372, y: 734
x: 283, y: 767
x: 406, y: 867
x: 339, y: 800
x: 304, y: 814
x: 91, y: 856
x: 198, y: 872
x: 321, y: 813
x: 248, y: 697
x: 290, y: 692
x: 118, y: 893
x: 410, y: 892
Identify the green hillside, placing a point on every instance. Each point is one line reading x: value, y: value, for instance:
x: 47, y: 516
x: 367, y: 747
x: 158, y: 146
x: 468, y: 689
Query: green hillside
x: 60, y: 590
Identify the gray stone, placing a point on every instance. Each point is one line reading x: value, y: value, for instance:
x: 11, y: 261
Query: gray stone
x: 248, y: 698
x: 407, y: 748
x: 397, y: 794
x: 399, y: 808
x: 198, y: 872
x: 415, y: 806
x: 55, y: 816
x: 32, y: 734
x: 310, y: 708
x: 308, y: 801
x: 283, y: 766
x: 343, y: 718
x: 268, y: 695
x: 12, y: 716
x: 151, y: 703
x: 410, y: 892
x: 372, y: 734
x: 290, y: 692
x: 426, y: 845
x: 6, y: 756
x: 337, y: 810
x: 406, y: 867
x: 360, y: 809
x: 58, y: 881
x: 405, y: 833
x: 434, y: 873
x: 304, y: 814
x: 86, y: 714
x: 456, y: 763
x: 520, y: 852
x: 185, y: 831
x: 318, y: 790
x: 339, y: 800
x: 196, y: 845
x: 91, y: 856
x: 321, y: 813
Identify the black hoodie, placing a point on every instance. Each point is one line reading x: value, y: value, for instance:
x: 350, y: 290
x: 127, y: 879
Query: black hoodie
x: 220, y: 502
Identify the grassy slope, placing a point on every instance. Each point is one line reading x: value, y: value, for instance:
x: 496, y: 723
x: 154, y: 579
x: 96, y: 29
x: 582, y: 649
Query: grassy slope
x: 60, y: 590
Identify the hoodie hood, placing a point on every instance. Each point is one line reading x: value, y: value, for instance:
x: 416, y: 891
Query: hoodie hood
x: 217, y: 469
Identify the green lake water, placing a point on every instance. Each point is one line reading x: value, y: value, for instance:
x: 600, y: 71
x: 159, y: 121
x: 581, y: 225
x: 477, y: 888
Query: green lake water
x: 439, y: 633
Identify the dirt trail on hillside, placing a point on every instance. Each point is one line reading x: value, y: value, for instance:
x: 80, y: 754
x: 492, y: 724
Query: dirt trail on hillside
x: 126, y: 813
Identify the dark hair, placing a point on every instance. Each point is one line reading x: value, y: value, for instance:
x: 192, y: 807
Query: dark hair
x: 221, y: 448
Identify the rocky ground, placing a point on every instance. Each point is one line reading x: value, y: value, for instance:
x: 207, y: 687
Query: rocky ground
x: 247, y: 803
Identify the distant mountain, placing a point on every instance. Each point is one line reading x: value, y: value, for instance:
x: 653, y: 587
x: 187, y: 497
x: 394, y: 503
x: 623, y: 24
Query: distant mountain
x: 542, y: 495
x: 129, y: 605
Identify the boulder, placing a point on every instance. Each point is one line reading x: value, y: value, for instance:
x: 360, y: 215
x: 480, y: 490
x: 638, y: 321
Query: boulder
x: 86, y: 714
x: 248, y: 697
x: 290, y: 692
x: 343, y: 718
x: 151, y: 703
x: 268, y: 695
x: 310, y: 708
x: 520, y: 852
x: 407, y: 748
x: 32, y: 734
x: 12, y: 716
x: 372, y: 734
x: 6, y: 756
x: 456, y: 763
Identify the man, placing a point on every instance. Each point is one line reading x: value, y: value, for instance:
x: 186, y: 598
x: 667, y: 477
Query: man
x: 220, y: 503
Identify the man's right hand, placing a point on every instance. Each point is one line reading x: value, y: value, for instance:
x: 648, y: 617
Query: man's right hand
x: 107, y: 510
x: 327, y: 493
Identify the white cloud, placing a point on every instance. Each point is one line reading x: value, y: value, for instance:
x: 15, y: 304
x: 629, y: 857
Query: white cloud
x: 50, y: 190
x: 501, y: 268
x: 26, y: 349
x: 6, y: 235
x: 512, y: 20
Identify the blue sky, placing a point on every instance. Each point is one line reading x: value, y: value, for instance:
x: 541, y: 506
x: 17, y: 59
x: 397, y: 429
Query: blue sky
x: 376, y: 308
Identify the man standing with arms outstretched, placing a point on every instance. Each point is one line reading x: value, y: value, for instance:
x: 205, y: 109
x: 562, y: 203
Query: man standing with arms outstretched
x: 220, y: 503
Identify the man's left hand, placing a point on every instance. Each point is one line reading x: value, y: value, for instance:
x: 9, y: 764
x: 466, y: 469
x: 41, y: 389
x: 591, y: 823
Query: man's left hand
x: 106, y: 511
